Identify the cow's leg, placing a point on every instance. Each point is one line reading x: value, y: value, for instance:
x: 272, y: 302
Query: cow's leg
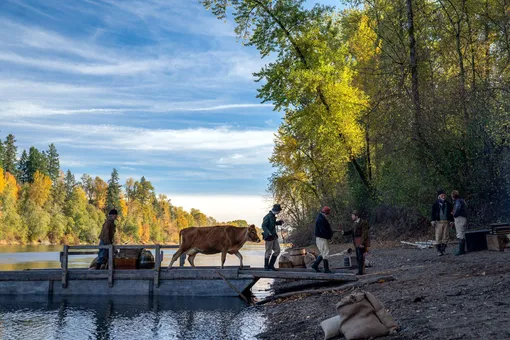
x: 191, y: 259
x: 176, y: 256
x: 223, y: 257
x: 240, y: 257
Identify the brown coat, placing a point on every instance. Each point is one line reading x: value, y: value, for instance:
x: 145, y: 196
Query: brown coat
x: 360, y: 229
x: 108, y: 231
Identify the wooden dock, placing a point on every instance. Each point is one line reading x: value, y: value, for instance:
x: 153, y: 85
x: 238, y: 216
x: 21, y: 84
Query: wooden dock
x: 176, y: 281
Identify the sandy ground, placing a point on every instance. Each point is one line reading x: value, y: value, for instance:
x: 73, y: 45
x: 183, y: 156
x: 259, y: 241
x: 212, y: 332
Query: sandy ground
x: 448, y: 297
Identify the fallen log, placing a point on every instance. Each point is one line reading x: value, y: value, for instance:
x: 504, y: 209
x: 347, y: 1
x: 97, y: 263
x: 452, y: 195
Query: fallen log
x: 309, y: 292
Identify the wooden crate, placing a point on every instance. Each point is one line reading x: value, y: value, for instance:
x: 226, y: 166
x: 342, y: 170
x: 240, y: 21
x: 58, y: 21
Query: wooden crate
x: 497, y: 242
x: 124, y: 263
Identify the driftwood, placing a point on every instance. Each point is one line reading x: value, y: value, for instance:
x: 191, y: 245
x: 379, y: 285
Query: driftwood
x: 357, y: 284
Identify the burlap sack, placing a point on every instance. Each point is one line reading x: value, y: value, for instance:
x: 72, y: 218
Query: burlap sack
x: 363, y: 316
x: 309, y: 260
x: 331, y: 327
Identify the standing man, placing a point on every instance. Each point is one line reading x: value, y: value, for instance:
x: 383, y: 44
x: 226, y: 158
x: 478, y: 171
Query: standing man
x: 441, y: 217
x: 460, y: 217
x: 271, y: 237
x: 361, y: 239
x: 323, y: 234
x: 106, y: 238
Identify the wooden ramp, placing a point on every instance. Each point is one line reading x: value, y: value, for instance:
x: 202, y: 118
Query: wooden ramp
x: 297, y: 274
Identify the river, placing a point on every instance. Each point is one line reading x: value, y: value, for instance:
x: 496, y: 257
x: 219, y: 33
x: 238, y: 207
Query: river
x: 125, y: 317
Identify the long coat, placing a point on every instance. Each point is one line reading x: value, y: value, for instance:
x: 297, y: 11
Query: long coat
x: 108, y: 231
x: 360, y: 230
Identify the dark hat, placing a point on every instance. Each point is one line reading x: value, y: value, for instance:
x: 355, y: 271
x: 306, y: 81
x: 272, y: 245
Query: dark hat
x: 326, y: 210
x: 277, y: 208
x: 113, y: 212
x: 356, y: 213
x: 440, y: 192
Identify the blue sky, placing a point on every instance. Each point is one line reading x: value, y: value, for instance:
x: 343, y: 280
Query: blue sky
x: 158, y: 88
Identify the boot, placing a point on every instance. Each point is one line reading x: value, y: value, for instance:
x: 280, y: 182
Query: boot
x: 266, y: 264
x: 439, y: 248
x: 315, y: 265
x: 272, y: 262
x: 326, y: 267
x: 462, y: 245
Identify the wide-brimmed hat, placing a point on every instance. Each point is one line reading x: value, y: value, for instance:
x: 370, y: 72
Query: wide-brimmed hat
x: 277, y: 208
x: 440, y: 192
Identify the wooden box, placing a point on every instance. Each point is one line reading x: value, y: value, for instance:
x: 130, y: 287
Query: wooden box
x: 497, y: 242
x: 124, y: 263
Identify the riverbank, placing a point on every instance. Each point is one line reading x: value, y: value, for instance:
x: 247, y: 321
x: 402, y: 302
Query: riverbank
x: 431, y: 297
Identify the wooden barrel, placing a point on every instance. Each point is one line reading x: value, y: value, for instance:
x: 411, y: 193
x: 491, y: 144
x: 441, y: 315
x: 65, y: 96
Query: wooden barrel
x: 297, y: 251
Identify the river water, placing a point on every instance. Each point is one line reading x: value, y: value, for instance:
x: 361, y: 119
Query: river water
x: 125, y: 317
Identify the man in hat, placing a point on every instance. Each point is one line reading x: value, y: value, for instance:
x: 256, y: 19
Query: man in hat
x: 360, y: 239
x: 441, y: 217
x: 460, y: 217
x: 323, y: 235
x: 271, y: 237
x: 106, y: 238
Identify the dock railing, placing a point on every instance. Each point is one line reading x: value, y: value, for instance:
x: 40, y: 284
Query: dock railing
x: 158, y: 258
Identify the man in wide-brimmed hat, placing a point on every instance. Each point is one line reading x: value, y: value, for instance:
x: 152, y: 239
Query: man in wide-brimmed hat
x: 270, y: 237
x: 441, y: 217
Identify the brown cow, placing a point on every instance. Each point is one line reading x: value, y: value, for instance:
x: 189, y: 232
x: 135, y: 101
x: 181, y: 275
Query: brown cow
x: 213, y: 240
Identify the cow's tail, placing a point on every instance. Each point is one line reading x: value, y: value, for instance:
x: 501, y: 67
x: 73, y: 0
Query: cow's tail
x: 180, y: 237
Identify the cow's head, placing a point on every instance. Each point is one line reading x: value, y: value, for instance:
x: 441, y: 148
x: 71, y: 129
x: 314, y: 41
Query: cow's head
x: 252, y: 234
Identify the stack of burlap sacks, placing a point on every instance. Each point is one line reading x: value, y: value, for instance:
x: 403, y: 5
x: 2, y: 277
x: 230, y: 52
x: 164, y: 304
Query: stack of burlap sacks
x: 360, y: 316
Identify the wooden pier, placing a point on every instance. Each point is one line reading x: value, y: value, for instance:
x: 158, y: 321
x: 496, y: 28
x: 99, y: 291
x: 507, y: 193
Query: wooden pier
x: 177, y: 281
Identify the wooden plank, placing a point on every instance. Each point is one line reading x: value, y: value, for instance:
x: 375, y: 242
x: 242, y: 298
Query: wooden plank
x: 299, y: 275
x: 64, y: 266
x: 110, y: 266
x: 233, y: 288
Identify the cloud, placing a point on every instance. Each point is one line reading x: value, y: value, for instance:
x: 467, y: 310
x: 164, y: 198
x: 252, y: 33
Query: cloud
x: 130, y: 138
x: 251, y: 208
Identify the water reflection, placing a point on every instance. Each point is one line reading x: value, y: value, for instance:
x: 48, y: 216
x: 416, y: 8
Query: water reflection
x: 128, y: 318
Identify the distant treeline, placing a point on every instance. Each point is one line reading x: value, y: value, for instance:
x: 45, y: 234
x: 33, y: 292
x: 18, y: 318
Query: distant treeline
x: 41, y: 203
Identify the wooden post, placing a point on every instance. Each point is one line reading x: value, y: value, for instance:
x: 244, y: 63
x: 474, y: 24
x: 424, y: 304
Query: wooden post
x: 110, y: 265
x: 233, y: 288
x: 182, y: 259
x: 65, y: 258
x: 157, y: 265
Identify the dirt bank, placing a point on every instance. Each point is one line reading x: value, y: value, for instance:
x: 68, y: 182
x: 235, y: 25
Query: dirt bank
x: 448, y: 297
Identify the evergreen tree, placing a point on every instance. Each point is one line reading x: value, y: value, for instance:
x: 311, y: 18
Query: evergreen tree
x: 53, y: 162
x: 36, y: 162
x: 70, y: 183
x: 23, y: 168
x: 87, y: 183
x: 113, y: 192
x: 9, y: 154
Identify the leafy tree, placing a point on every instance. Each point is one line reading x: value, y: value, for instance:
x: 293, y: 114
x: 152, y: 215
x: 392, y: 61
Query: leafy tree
x: 87, y: 183
x: 100, y: 193
x: 36, y: 162
x: 39, y: 191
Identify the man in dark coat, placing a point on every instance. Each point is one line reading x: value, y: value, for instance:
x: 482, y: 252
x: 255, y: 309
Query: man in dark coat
x: 323, y: 235
x: 441, y: 218
x: 360, y: 239
x: 270, y: 237
x: 106, y: 238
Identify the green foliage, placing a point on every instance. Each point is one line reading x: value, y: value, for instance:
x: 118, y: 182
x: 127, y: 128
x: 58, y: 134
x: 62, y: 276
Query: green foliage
x: 113, y: 192
x: 53, y: 162
x: 384, y: 103
x: 10, y: 155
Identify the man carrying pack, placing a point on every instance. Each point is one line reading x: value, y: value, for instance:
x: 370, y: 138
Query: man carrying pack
x: 270, y: 237
x: 106, y: 238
